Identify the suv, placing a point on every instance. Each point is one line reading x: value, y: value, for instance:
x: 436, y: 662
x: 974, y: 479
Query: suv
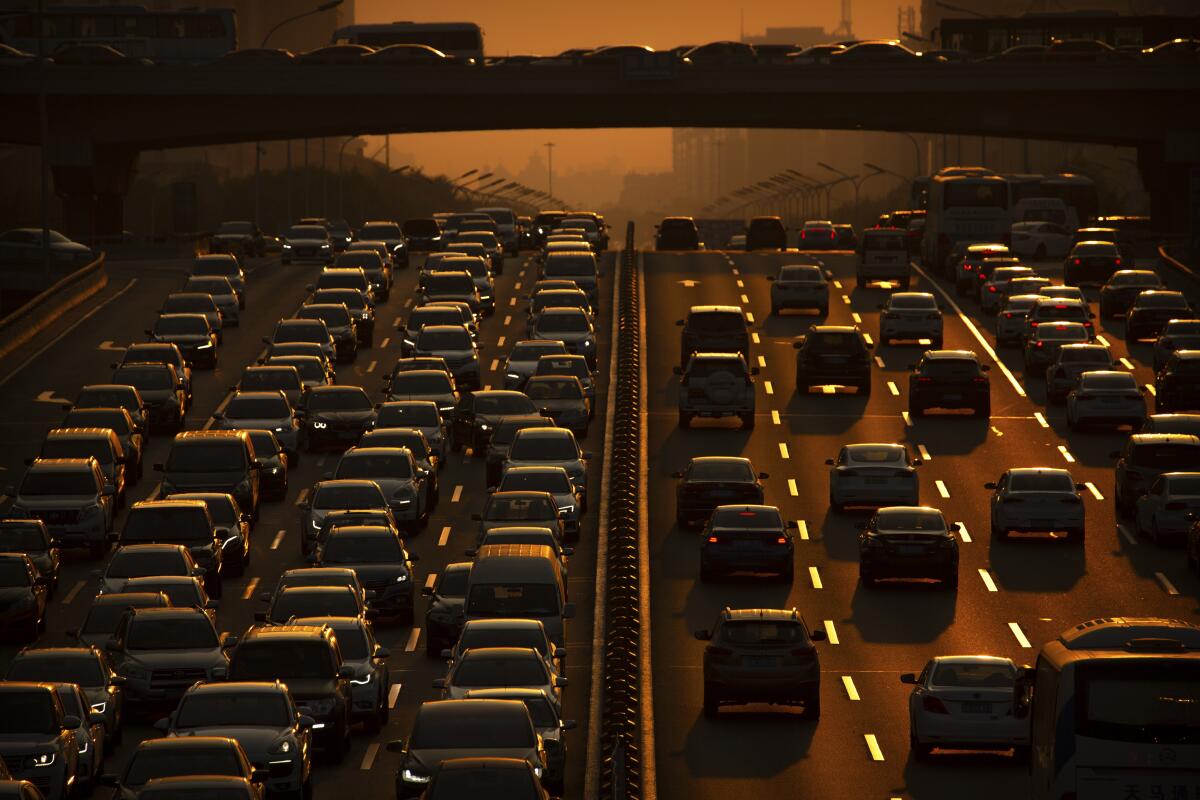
x: 213, y: 461
x: 383, y: 566
x: 1177, y: 385
x: 309, y: 661
x: 799, y: 286
x: 31, y: 537
x: 24, y: 591
x: 162, y: 389
x: 713, y: 329
x: 1070, y: 362
x: 1122, y: 288
x: 183, y: 522
x: 198, y: 758
x: 119, y: 421
x: 38, y: 741
x: 87, y: 667
x: 716, y: 385
x: 1145, y: 457
x: 746, y: 538
x: 160, y: 652
x: 454, y: 344
x: 1152, y: 310
x: 1059, y: 309
x: 160, y: 353
x: 72, y: 497
x: 761, y: 655
x: 833, y: 354
x: 949, y: 379
x: 677, y: 233
x: 883, y: 256
x: 478, y: 413
x: 101, y: 444
x: 766, y: 233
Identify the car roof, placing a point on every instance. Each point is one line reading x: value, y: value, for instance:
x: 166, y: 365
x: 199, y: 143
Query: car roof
x: 77, y: 651
x: 772, y: 614
x: 502, y: 653
x: 62, y: 464
x: 286, y: 632
x: 471, y: 709
x: 167, y: 612
x: 337, y: 623
x: 895, y: 510
x: 710, y: 309
x: 188, y: 742
x: 1163, y: 438
x: 80, y: 433
x: 545, y: 433
x: 1039, y: 471
x: 720, y: 460
x: 119, y: 598
x: 972, y: 660
x: 949, y: 355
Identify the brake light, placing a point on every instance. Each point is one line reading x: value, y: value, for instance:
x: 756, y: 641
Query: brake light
x: 933, y: 705
x: 1008, y: 315
x: 979, y: 379
x: 1060, y: 307
x: 713, y: 540
x: 803, y: 234
x: 982, y: 274
x: 1040, y: 344
x: 924, y: 380
x: 1118, y: 262
x: 992, y: 288
x: 783, y: 540
x: 967, y: 267
x: 1078, y: 261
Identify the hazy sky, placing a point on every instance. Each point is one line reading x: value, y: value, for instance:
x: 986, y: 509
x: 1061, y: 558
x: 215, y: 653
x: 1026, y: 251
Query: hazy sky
x: 551, y: 26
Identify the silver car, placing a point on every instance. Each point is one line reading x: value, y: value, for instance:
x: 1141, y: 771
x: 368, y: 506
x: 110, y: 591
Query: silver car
x: 873, y: 475
x: 1037, y: 499
x: 550, y: 447
x: 1010, y: 319
x: 268, y: 411
x: 965, y: 702
x: 222, y: 292
x: 911, y: 316
x: 1166, y: 511
x: 992, y: 290
x: 1072, y: 361
x: 554, y: 480
x: 523, y: 358
x: 1106, y: 397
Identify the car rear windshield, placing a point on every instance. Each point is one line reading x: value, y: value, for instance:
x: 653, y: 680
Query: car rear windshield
x: 424, y: 416
x: 97, y: 418
x: 310, y: 369
x: 148, y: 763
x: 175, y: 633
x: 876, y: 455
x: 209, y: 284
x: 506, y: 405
x: 716, y: 322
x: 495, y: 671
x: 453, y: 283
x: 453, y: 583
x: 543, y: 448
x: 528, y: 351
x: 212, y: 456
x: 1135, y: 279
x: 420, y: 227
x: 350, y: 549
x: 707, y: 367
x: 763, y: 632
x: 307, y: 232
x: 103, y: 618
x: 563, y: 322
x: 28, y: 713
x: 382, y: 437
x: 332, y: 317
x: 265, y: 380
x: 432, y: 315
x: 987, y: 675
x: 308, y: 331
x: 1167, y: 457
x: 348, y: 497
x: 439, y: 731
x: 339, y: 400
x: 1095, y: 249
x: 1064, y: 333
x: 257, y: 408
x: 553, y: 389
x: 1184, y: 485
x: 563, y: 366
x: 53, y: 669
x: 835, y: 342
x: 157, y: 377
x: 1047, y: 311
x: 883, y: 241
x: 525, y: 636
x: 547, y: 481
x: 804, y: 274
x: 302, y: 603
x: 417, y: 384
x: 516, y: 509
x: 380, y: 231
x: 97, y: 448
x: 533, y: 600
x: 722, y: 471
x: 569, y: 265
x: 182, y: 594
x: 918, y: 301
x: 19, y: 538
x: 950, y: 368
x: 1122, y: 380
x: 747, y: 518
x: 216, y: 266
x: 170, y: 523
x: 910, y: 521
x: 1084, y: 355
x: 189, y: 303
x: 434, y: 340
x: 1041, y: 482
x: 42, y: 482
x: 13, y: 573
x: 234, y: 709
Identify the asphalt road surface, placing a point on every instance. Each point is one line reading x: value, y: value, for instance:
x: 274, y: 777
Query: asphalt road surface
x: 30, y: 398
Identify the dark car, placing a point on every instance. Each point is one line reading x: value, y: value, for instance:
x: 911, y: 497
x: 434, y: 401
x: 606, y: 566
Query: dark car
x: 712, y: 481
x: 818, y: 235
x: 378, y: 269
x: 98, y: 396
x: 383, y: 565
x: 761, y: 655
x: 713, y: 329
x: 214, y: 461
x: 259, y: 716
x: 160, y: 652
x: 37, y: 738
x: 201, y: 787
x: 1177, y: 334
x: 308, y: 660
x: 477, y: 414
x: 746, y: 539
x: 677, y: 233
x: 503, y: 433
x: 391, y: 234
x: 335, y: 416
x: 908, y: 542
x: 371, y: 686
x: 192, y: 333
x: 766, y: 233
x: 422, y: 234
x: 1119, y: 291
x: 183, y: 756
x: 32, y: 538
x: 949, y: 379
x: 361, y: 309
x: 836, y: 355
x: 1145, y: 457
x: 313, y: 601
x: 23, y: 594
x: 275, y: 460
x: 106, y: 611
x: 86, y: 667
x: 1091, y: 262
x: 336, y: 495
x: 1177, y: 385
x: 101, y: 444
x: 161, y: 353
x: 1151, y: 310
x: 510, y: 778
x: 162, y: 389
x: 179, y: 521
x: 120, y: 422
x: 444, y: 616
x: 449, y: 729
x: 236, y: 237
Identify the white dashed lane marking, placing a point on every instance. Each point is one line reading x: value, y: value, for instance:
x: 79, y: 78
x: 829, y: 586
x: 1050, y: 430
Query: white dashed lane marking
x: 963, y: 533
x: 1041, y: 419
x: 775, y: 416
x: 924, y: 453
x: 1091, y: 487
x: 802, y: 529
x: 792, y: 490
x: 71, y: 595
x: 769, y: 389
x: 1126, y: 535
x: 1166, y: 584
x: 454, y: 498
x: 444, y: 537
x: 248, y: 592
x: 368, y: 759
x: 879, y: 362
x: 873, y: 747
x: 762, y: 362
x: 942, y: 490
x: 987, y: 580
x: 831, y: 632
x: 1066, y: 454
x: 815, y: 576
x: 1019, y: 634
x: 893, y: 388
x: 851, y: 689
x: 394, y: 694
x: 413, y: 636
x: 783, y: 451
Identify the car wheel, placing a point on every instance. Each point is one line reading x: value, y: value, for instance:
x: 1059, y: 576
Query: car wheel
x: 712, y: 704
x: 920, y: 752
x: 748, y: 421
x: 685, y: 419
x: 867, y: 579
x: 812, y: 705
x: 1076, y: 535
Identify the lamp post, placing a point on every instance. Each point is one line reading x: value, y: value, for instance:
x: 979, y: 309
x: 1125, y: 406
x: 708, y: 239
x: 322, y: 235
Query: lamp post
x: 342, y: 177
x: 326, y: 6
x: 550, y: 167
x: 855, y: 180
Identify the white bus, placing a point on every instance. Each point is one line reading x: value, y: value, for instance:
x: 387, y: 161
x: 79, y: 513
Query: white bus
x: 1115, y: 706
x: 461, y: 39
x: 964, y: 208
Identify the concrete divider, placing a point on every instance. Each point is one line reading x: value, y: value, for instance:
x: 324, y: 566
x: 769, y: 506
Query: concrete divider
x: 1177, y: 264
x: 29, y: 320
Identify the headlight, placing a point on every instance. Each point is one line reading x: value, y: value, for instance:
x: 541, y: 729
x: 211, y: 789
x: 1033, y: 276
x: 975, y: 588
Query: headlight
x: 282, y: 747
x: 365, y: 315
x: 537, y: 771
x: 411, y: 777
x: 83, y: 746
x: 403, y: 502
x: 410, y: 343
x: 513, y: 375
x: 402, y: 578
x: 319, y: 425
x: 100, y: 707
x: 588, y: 342
x: 205, y: 346
x: 280, y: 430
x: 566, y: 509
x: 274, y: 470
x: 45, y: 760
x: 363, y: 681
x: 324, y: 247
x: 287, y: 246
x: 483, y: 426
x: 316, y: 525
x: 230, y: 540
x: 322, y: 706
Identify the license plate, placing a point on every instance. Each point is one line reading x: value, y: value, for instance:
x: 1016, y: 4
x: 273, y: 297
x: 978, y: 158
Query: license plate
x: 910, y: 549
x: 977, y: 708
x: 876, y: 481
x: 763, y: 661
x: 1042, y: 523
x: 954, y: 397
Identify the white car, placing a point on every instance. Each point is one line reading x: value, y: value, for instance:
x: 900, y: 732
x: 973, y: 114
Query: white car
x: 873, y: 475
x: 1166, y: 511
x: 911, y: 315
x: 1040, y: 499
x: 1062, y: 292
x: 1040, y: 240
x: 1106, y: 397
x: 965, y: 703
x: 1010, y: 320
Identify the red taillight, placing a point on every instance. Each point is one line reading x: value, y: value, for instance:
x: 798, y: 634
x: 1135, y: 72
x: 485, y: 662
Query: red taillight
x: 1078, y: 261
x: 979, y: 379
x: 1040, y: 344
x: 713, y: 540
x: 992, y: 289
x: 1118, y: 262
x: 933, y: 705
x: 1008, y: 315
x: 982, y: 276
x: 1034, y: 323
x: 782, y: 540
x: 967, y: 267
x: 803, y: 234
x: 924, y: 380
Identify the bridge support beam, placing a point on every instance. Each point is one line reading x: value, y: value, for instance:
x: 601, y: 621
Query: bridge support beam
x: 1170, y: 171
x: 92, y: 182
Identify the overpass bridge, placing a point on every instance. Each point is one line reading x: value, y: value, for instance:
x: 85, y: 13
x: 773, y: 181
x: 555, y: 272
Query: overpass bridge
x: 101, y: 116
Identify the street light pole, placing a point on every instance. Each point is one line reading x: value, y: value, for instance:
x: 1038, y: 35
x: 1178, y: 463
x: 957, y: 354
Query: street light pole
x: 342, y: 178
x: 550, y: 168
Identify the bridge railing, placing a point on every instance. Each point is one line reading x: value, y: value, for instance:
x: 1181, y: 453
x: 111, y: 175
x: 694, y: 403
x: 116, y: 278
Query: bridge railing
x: 33, y: 317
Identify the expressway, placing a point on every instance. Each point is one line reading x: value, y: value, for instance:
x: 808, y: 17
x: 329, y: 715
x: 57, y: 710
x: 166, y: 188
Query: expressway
x: 1013, y: 595
x: 30, y: 404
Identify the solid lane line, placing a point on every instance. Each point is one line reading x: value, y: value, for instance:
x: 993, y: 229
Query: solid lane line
x: 1091, y: 487
x: 454, y: 498
x: 815, y: 576
x: 444, y: 537
x: 413, y: 636
x: 1166, y: 584
x: 248, y: 592
x: 873, y: 747
x: 987, y: 580
x: 851, y: 689
x: 278, y: 540
x: 1020, y: 634
x: 942, y: 490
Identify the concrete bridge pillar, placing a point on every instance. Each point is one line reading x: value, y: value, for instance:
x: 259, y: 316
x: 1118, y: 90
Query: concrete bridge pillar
x: 1170, y: 170
x: 92, y: 181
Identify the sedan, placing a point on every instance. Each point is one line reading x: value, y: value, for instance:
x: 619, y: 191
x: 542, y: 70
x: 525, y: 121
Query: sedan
x: 523, y: 359
x: 908, y: 542
x: 711, y: 481
x: 1152, y: 310
x: 1037, y: 499
x: 799, y: 286
x: 266, y: 411
x: 965, y: 703
x: 1010, y: 319
x: 747, y: 539
x: 911, y: 316
x: 1118, y: 292
x: 873, y: 475
x: 1106, y: 397
x: 1177, y: 385
x: 1042, y: 347
x: 500, y: 667
x: 993, y: 290
x: 554, y: 480
x: 1177, y: 334
x: 1062, y: 376
x: 1166, y: 511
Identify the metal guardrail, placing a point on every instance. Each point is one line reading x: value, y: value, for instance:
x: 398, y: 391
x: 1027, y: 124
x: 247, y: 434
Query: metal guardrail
x: 39, y: 313
x: 621, y: 741
x: 1165, y: 258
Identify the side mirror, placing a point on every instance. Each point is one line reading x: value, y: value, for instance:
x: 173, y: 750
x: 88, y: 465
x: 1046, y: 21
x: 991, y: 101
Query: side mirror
x: 218, y: 415
x: 1079, y: 487
x: 382, y: 652
x: 586, y: 455
x: 112, y: 644
x: 818, y: 635
x: 162, y: 725
x: 71, y: 722
x: 260, y: 775
x: 266, y: 339
x: 305, y: 721
x: 427, y: 591
x: 791, y: 524
x: 954, y: 526
x: 862, y: 526
x: 677, y: 474
x: 908, y: 678
x: 264, y: 597
x: 985, y: 367
x: 763, y: 475
x: 396, y: 746
x: 568, y: 551
x: 796, y: 345
x: 228, y: 640
x: 561, y: 683
x: 439, y: 683
x: 829, y: 461
x: 990, y: 485
x: 113, y: 537
x: 117, y: 680
x: 703, y: 634
x: 470, y: 552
